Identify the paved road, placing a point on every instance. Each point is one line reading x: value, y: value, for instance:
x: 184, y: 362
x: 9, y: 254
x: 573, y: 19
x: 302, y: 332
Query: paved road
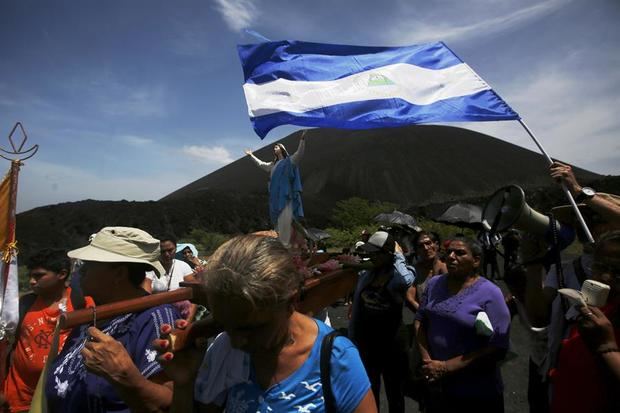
x: 514, y: 370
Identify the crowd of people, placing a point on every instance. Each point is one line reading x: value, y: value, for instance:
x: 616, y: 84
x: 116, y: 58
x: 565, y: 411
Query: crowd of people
x: 269, y: 357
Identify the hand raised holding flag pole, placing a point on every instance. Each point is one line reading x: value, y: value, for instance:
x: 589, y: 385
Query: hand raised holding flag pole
x: 566, y: 191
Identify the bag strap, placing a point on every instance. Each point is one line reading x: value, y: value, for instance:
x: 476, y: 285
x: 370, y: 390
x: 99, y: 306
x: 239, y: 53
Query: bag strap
x: 579, y: 271
x: 557, y: 256
x: 326, y: 353
x: 25, y: 303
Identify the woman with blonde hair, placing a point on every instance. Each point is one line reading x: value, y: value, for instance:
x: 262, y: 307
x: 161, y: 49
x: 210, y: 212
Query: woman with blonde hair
x: 269, y: 357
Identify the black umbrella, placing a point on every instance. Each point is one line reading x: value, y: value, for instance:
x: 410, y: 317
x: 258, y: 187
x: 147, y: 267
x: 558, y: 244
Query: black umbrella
x: 317, y: 235
x: 464, y: 215
x: 398, y: 218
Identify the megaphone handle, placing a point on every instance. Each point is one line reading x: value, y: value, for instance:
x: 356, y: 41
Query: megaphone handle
x: 584, y: 226
x: 498, y: 215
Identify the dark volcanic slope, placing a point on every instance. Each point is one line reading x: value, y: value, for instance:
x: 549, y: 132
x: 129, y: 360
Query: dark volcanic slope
x: 411, y: 166
x: 423, y: 166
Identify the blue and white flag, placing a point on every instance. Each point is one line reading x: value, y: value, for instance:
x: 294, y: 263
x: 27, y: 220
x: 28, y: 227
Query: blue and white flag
x: 358, y: 87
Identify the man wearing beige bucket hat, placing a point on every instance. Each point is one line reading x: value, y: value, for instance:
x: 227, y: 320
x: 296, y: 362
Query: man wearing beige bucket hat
x: 121, y: 244
x: 112, y: 366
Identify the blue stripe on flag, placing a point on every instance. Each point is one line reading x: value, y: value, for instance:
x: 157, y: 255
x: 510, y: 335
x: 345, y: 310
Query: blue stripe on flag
x: 295, y: 60
x: 372, y: 114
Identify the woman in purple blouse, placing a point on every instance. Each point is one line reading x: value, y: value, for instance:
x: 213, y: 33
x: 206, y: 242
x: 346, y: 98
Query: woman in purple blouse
x: 462, y: 328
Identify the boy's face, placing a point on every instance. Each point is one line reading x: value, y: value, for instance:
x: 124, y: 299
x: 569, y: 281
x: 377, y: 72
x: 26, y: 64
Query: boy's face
x: 43, y: 280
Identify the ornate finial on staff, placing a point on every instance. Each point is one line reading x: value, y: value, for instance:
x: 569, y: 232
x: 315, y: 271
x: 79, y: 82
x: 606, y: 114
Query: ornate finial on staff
x: 9, y: 296
x: 18, y: 149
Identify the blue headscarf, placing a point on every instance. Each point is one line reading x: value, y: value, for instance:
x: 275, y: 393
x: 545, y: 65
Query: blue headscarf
x: 181, y: 247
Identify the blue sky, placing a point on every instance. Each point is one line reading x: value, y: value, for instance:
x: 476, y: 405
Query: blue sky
x: 134, y: 99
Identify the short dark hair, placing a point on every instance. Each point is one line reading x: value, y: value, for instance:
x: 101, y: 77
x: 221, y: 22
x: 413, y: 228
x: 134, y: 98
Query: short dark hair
x: 474, y: 246
x: 168, y: 237
x: 52, y: 259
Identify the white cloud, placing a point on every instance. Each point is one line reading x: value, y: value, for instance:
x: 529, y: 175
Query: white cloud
x: 571, y: 112
x: 450, y: 27
x: 238, y: 14
x: 135, y: 140
x: 208, y: 154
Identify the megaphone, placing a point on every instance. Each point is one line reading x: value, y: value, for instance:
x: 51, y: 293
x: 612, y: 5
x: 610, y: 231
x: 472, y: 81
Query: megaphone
x: 507, y: 209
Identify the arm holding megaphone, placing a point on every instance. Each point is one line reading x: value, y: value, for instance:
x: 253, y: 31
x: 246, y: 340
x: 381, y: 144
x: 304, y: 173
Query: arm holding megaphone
x: 538, y: 298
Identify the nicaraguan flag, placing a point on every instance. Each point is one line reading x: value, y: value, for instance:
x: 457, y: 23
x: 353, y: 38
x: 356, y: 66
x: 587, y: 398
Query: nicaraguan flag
x: 358, y: 87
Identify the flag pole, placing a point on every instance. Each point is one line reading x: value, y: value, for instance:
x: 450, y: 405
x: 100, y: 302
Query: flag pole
x: 586, y: 230
x: 9, y: 297
x: 10, y: 248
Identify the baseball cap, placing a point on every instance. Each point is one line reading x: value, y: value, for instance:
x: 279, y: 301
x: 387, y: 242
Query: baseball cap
x: 121, y: 244
x: 379, y: 241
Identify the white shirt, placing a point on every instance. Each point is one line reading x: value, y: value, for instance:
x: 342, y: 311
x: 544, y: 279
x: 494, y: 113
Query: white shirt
x: 170, y: 281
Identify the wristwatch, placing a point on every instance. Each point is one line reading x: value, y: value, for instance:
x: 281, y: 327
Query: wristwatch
x: 585, y: 194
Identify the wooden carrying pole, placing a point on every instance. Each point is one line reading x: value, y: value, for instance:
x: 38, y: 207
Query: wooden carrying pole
x: 106, y: 311
x: 316, y: 293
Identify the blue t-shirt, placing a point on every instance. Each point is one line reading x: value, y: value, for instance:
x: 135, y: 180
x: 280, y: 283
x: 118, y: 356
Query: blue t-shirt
x: 302, y: 391
x: 71, y: 388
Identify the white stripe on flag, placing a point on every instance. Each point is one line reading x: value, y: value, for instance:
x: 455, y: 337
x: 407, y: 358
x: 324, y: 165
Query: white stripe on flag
x: 412, y: 83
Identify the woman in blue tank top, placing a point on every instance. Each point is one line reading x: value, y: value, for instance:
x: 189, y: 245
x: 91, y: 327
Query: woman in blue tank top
x: 268, y: 358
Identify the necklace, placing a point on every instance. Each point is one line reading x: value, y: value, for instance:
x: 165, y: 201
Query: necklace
x: 169, y: 274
